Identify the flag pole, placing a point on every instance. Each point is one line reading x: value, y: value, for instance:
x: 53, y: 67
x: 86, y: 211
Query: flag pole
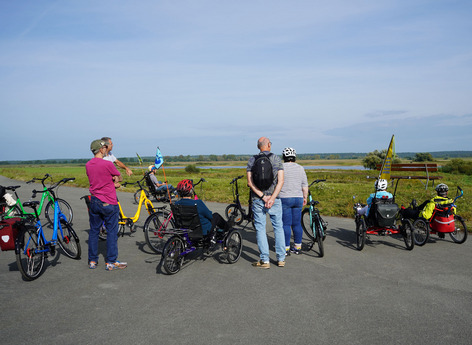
x: 160, y: 163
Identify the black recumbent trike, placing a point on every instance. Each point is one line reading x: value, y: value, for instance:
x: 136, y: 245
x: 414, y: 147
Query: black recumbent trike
x: 384, y: 219
x: 187, y: 237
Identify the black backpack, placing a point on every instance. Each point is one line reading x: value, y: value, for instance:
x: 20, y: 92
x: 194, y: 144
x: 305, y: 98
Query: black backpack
x: 262, y: 174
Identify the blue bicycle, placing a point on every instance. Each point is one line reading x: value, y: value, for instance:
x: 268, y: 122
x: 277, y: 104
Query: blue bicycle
x: 31, y: 246
x: 313, y: 225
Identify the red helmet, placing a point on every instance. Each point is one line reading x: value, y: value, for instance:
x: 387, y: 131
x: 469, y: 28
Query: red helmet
x: 185, y: 187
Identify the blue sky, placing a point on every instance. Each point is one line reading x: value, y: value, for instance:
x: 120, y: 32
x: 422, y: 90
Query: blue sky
x: 211, y: 77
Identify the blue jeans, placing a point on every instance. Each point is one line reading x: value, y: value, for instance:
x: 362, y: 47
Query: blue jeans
x: 292, y: 219
x: 275, y: 213
x: 99, y: 214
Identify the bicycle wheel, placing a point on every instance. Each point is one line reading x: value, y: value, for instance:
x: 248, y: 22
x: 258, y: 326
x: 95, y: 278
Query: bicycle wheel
x: 137, y: 195
x: 460, y: 233
x: 63, y: 206
x: 408, y: 234
x: 233, y: 210
x: 102, y: 235
x: 420, y: 232
x: 319, y: 236
x: 233, y: 246
x: 155, y: 230
x: 172, y: 257
x: 360, y: 233
x: 29, y: 259
x: 307, y: 224
x: 68, y: 240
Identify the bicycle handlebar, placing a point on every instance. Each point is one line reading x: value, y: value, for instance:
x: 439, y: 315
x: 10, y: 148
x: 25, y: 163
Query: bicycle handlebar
x: 64, y: 180
x: 39, y: 179
x: 236, y: 178
x: 201, y: 180
x: 317, y: 181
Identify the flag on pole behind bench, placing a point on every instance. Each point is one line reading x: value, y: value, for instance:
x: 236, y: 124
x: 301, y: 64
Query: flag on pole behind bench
x: 387, y: 163
x: 159, y: 159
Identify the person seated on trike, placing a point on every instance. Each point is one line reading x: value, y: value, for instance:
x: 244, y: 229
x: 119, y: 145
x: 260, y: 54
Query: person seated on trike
x: 160, y: 187
x: 381, y: 193
x: 210, y: 222
x: 426, y: 209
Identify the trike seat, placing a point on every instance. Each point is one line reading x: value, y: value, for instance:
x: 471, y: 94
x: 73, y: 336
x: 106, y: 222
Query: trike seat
x: 186, y: 218
x: 383, y: 212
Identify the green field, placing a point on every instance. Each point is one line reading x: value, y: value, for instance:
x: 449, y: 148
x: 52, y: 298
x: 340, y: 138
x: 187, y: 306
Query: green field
x: 335, y: 195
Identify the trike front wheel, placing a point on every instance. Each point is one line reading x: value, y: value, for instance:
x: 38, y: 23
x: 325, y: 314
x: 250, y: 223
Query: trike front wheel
x: 172, y: 257
x: 407, y: 233
x: 360, y: 233
x: 420, y: 232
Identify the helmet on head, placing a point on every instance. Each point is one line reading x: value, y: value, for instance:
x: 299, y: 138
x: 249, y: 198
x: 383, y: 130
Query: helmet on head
x: 442, y: 189
x: 151, y: 168
x: 289, y: 152
x: 381, y: 184
x: 184, y: 187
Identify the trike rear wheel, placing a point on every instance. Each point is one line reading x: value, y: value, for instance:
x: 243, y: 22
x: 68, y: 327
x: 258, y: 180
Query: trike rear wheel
x: 460, y: 232
x: 172, y: 256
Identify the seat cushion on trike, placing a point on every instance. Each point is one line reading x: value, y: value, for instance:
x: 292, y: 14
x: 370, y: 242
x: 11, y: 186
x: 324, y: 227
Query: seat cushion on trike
x: 443, y: 224
x: 186, y: 217
x: 384, y: 213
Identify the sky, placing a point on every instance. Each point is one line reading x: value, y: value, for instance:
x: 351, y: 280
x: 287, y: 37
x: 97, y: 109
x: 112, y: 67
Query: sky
x: 212, y: 76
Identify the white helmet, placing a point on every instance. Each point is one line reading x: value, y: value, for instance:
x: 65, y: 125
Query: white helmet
x: 289, y: 152
x: 381, y: 184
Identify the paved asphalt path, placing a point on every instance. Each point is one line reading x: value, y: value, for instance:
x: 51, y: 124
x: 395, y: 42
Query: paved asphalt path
x: 381, y: 295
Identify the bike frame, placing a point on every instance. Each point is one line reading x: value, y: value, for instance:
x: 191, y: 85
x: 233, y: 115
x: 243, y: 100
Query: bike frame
x: 135, y: 218
x: 314, y: 212
x: 236, y: 200
x: 58, y: 215
x: 44, y: 196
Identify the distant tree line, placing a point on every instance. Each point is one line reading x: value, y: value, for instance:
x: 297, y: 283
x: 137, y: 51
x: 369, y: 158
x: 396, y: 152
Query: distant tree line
x: 370, y: 157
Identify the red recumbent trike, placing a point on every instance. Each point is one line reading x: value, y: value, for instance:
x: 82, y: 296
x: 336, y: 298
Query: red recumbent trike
x: 443, y: 221
x: 384, y: 219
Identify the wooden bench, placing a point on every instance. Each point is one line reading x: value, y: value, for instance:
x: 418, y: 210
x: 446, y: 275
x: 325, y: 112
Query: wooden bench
x: 415, y: 168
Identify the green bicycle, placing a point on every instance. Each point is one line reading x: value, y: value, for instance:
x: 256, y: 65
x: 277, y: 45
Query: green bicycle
x: 17, y: 210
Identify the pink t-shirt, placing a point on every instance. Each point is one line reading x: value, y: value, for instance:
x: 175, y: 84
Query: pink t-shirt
x: 100, y: 174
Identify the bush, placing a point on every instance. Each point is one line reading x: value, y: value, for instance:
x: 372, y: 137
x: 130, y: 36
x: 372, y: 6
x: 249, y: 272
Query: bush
x: 458, y: 166
x: 192, y: 168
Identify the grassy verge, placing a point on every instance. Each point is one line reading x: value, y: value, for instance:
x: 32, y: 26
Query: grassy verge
x: 335, y: 195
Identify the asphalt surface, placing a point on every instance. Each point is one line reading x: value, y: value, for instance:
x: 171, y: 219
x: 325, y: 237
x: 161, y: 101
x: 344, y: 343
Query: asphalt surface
x: 381, y: 295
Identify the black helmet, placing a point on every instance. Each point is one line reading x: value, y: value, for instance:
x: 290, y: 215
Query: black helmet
x: 442, y: 189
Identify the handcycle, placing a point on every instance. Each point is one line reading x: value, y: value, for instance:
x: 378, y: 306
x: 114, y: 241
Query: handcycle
x: 443, y: 221
x: 187, y: 237
x: 159, y: 195
x: 31, y: 245
x: 236, y: 210
x: 156, y: 225
x: 384, y: 218
x: 18, y: 210
x: 313, y: 225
